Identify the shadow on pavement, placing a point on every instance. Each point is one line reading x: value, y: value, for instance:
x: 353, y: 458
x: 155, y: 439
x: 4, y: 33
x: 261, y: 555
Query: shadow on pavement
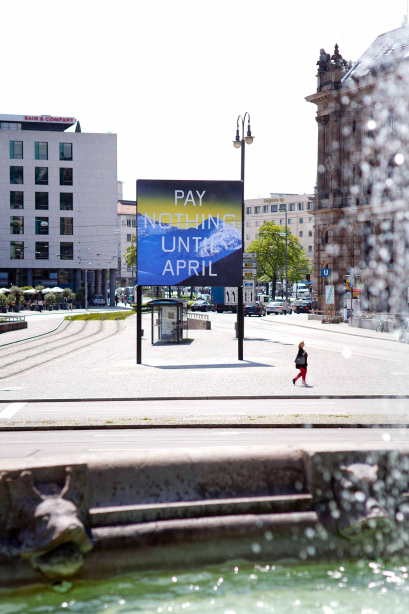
x: 215, y: 366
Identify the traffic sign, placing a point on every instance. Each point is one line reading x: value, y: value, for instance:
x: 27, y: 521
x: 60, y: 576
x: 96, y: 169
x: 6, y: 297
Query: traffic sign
x: 250, y: 255
x: 249, y: 294
x: 249, y: 274
x: 250, y: 264
x: 325, y: 272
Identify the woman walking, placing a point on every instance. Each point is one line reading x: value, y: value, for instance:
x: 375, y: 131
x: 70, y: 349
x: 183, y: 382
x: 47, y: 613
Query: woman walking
x: 301, y: 363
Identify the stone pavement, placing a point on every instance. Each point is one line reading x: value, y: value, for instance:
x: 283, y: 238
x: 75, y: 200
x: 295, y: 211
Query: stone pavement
x: 208, y: 366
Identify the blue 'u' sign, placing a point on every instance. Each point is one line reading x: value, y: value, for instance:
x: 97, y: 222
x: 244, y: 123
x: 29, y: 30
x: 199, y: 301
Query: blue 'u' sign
x: 325, y: 272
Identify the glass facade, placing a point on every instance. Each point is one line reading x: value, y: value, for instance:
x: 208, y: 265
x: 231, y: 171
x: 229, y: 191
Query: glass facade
x: 41, y: 151
x: 66, y: 251
x: 16, y: 250
x: 16, y: 150
x: 41, y: 200
x: 66, y: 201
x: 16, y: 225
x: 16, y: 200
x: 10, y: 126
x: 41, y: 175
x: 66, y: 176
x: 66, y: 226
x: 41, y: 225
x: 16, y: 174
x: 65, y: 151
x: 42, y: 250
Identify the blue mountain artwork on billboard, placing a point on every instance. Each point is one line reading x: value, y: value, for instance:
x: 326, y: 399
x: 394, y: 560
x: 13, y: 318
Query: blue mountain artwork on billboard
x: 160, y: 247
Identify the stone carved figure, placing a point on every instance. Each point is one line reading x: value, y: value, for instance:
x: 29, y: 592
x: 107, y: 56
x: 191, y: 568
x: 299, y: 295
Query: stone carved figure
x: 44, y: 523
x: 363, y: 509
x: 327, y: 62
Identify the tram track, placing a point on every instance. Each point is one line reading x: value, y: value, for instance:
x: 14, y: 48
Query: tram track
x: 42, y: 354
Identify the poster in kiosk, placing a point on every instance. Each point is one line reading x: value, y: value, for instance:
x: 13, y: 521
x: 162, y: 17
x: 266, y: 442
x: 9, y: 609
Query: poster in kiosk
x: 189, y: 233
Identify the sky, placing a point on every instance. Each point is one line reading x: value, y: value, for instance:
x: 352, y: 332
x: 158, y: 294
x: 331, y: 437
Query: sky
x: 171, y: 78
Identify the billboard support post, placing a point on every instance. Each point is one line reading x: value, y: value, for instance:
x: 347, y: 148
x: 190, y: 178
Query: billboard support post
x: 139, y: 325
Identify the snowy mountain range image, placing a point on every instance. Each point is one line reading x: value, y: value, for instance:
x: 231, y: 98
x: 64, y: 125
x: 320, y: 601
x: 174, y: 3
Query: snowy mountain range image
x: 161, y: 247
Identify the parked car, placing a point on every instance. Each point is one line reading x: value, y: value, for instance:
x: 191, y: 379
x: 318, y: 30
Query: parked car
x: 274, y: 307
x: 302, y: 306
x: 259, y: 309
x: 202, y: 306
x: 98, y: 300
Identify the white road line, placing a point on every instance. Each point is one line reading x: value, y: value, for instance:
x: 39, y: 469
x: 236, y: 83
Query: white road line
x: 399, y: 373
x: 10, y: 410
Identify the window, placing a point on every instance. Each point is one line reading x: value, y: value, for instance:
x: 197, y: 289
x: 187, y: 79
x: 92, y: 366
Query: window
x: 128, y: 223
x: 247, y: 237
x: 16, y: 150
x: 290, y: 220
x: 292, y: 206
x: 310, y: 248
x: 309, y: 220
x: 10, y: 126
x: 16, y: 174
x: 256, y: 235
x: 257, y: 209
x: 258, y: 223
x: 301, y: 206
x: 41, y: 200
x: 66, y: 201
x: 281, y: 222
x: 65, y: 151
x: 249, y: 210
x: 41, y: 225
x: 310, y: 206
x: 301, y: 220
x: 41, y: 250
x: 16, y: 200
x: 129, y: 238
x: 247, y: 223
x: 274, y: 208
x: 66, y: 251
x: 65, y: 176
x: 41, y: 151
x: 66, y: 225
x: 41, y: 175
x: 16, y: 250
x: 265, y: 209
x: 134, y: 223
x: 310, y: 233
x: 301, y: 233
x: 16, y: 225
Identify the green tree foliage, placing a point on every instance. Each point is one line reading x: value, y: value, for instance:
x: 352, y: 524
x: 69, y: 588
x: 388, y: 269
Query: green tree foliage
x: 270, y: 249
x: 130, y: 254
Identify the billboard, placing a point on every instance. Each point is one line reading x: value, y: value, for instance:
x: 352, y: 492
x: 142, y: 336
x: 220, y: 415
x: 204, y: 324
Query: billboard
x: 189, y: 233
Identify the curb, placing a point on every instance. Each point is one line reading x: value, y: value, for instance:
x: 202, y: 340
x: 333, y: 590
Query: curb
x: 338, y: 332
x: 113, y: 427
x: 212, y: 398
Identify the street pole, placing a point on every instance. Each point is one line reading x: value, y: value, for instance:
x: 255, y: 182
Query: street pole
x: 248, y: 138
x: 86, y: 288
x: 240, y: 305
x: 139, y: 325
x: 286, y: 259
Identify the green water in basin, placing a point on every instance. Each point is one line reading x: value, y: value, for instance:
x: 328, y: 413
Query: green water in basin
x: 234, y: 588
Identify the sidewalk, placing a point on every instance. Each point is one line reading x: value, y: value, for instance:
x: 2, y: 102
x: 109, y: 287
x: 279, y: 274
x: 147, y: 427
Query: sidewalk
x: 342, y: 328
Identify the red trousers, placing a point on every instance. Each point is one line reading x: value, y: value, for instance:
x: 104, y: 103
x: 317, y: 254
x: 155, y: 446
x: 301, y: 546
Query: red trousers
x: 302, y: 373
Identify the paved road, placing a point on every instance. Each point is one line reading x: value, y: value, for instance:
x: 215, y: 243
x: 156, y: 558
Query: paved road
x: 338, y: 364
x: 25, y: 444
x: 282, y: 411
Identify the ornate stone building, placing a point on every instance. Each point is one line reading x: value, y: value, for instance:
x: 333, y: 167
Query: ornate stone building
x: 361, y: 206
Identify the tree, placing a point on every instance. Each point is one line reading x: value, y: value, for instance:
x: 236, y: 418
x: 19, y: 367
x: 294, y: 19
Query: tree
x: 130, y: 254
x: 270, y: 250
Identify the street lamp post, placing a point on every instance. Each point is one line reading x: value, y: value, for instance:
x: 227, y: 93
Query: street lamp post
x: 284, y: 208
x: 248, y: 138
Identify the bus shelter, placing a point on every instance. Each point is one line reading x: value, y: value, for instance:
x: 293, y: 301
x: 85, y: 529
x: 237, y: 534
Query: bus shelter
x: 169, y: 320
